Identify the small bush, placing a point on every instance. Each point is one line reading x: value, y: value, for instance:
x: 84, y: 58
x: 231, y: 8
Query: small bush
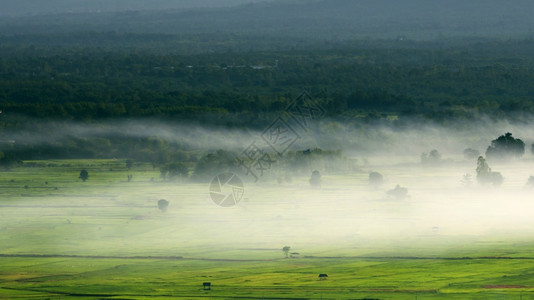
x: 315, y: 179
x: 398, y: 192
x: 163, y: 205
x: 376, y: 179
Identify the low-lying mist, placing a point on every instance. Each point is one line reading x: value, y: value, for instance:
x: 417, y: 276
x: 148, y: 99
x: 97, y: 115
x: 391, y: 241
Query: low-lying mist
x: 355, y: 138
x: 443, y: 205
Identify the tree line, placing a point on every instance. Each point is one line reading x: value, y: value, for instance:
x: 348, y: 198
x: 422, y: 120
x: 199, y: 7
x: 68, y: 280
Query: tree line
x: 435, y: 83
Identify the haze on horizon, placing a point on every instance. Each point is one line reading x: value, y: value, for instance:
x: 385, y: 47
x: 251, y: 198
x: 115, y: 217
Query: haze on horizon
x: 33, y: 7
x: 332, y: 20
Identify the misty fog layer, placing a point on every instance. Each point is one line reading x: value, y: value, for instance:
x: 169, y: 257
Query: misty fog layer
x: 440, y: 209
x: 354, y: 138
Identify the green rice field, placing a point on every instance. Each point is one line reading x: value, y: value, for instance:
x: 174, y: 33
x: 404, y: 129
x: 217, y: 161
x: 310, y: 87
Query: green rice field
x: 61, y: 238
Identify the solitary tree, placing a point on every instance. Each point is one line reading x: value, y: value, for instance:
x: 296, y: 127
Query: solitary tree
x: 485, y: 175
x: 431, y: 158
x: 286, y: 250
x: 506, y: 146
x: 84, y: 175
x: 483, y: 169
x: 163, y: 204
x: 375, y: 179
x: 315, y: 179
x: 398, y: 192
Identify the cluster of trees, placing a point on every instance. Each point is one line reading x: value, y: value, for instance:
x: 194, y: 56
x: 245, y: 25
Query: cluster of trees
x: 281, y: 168
x: 204, y: 167
x: 174, y: 169
x: 505, y: 146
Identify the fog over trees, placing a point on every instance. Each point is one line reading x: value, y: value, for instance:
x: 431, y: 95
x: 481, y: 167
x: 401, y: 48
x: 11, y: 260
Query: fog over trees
x: 178, y: 147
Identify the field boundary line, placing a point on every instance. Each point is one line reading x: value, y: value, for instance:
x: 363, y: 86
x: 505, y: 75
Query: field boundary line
x: 177, y: 257
x: 3, y: 255
x: 422, y: 257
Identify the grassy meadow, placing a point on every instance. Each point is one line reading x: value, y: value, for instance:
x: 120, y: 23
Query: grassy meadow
x: 61, y: 238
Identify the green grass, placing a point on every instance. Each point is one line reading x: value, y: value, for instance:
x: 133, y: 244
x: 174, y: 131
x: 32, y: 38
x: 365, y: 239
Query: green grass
x: 292, y: 278
x: 106, y: 239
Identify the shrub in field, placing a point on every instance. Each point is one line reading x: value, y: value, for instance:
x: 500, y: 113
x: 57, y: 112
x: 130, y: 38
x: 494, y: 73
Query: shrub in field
x: 315, y: 179
x: 163, y: 204
x: 286, y: 250
x: 432, y: 158
x: 376, y: 179
x: 398, y: 192
x: 84, y: 175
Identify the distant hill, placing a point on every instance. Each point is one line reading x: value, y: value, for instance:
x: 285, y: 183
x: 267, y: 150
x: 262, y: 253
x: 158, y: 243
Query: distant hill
x: 332, y: 20
x: 40, y: 7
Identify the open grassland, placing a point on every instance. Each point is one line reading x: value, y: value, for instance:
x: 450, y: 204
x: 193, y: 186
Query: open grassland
x: 106, y: 239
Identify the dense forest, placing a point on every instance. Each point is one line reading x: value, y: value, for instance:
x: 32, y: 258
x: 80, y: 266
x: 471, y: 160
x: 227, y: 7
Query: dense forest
x: 197, y: 66
x: 484, y: 78
x: 247, y: 90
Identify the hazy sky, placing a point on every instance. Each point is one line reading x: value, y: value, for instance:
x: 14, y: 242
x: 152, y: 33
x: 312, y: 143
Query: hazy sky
x: 303, y: 19
x: 25, y: 7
